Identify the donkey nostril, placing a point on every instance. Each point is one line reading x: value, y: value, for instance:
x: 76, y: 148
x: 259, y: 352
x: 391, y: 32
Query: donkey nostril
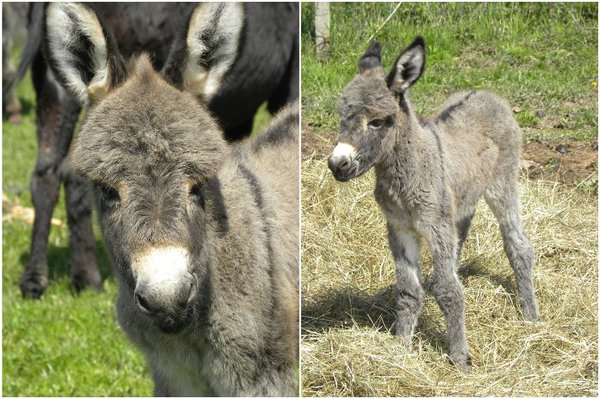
x: 339, y: 164
x: 186, y: 296
x: 143, y: 303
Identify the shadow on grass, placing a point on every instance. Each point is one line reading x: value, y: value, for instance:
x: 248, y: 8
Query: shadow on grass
x: 59, y: 264
x: 477, y: 268
x: 350, y: 307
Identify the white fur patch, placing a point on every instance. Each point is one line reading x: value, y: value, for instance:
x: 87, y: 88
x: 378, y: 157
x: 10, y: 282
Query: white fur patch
x: 160, y: 266
x: 66, y: 22
x: 412, y: 249
x: 343, y: 150
x: 410, y: 242
x: 226, y: 21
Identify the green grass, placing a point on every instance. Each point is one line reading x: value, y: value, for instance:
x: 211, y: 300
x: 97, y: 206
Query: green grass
x: 540, y: 56
x: 64, y: 344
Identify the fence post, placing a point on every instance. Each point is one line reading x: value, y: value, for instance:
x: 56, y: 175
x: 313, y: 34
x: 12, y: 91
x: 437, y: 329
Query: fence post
x: 322, y: 30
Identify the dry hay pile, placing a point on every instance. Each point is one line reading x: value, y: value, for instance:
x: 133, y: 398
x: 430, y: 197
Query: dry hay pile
x: 348, y: 305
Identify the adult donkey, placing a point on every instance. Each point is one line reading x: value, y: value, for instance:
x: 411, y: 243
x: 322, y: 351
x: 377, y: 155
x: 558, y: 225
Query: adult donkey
x: 203, y: 236
x: 245, y: 53
x: 430, y: 176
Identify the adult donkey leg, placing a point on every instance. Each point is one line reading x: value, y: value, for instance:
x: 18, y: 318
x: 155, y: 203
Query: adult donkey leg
x: 56, y: 118
x: 287, y: 91
x: 447, y: 290
x: 406, y: 249
x: 82, y: 245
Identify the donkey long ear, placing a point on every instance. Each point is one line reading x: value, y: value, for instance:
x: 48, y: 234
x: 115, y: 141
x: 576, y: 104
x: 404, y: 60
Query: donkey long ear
x: 200, y: 59
x: 371, y: 58
x: 81, y: 53
x: 408, y: 67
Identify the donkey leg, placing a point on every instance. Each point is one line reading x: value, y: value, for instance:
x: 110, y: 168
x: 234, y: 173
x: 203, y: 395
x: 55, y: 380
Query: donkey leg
x: 56, y: 118
x: 406, y: 248
x: 239, y: 131
x: 82, y: 245
x: 287, y: 91
x: 505, y: 204
x: 463, y: 226
x: 448, y: 292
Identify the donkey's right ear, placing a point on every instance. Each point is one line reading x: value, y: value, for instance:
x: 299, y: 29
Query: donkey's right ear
x: 205, y: 52
x: 81, y: 53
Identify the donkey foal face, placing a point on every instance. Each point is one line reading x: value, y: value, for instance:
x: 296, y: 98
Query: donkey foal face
x: 370, y: 110
x: 368, y: 114
x: 150, y: 150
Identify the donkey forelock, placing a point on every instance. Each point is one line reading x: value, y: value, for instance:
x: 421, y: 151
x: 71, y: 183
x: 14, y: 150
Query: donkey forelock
x: 146, y: 124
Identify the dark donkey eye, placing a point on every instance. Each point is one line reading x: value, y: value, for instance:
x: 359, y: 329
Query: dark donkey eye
x: 196, y: 194
x: 376, y: 123
x: 109, y: 195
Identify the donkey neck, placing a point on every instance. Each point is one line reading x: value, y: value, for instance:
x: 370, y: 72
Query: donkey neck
x: 410, y: 148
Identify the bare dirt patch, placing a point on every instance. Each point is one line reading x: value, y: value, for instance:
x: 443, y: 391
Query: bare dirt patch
x: 574, y: 163
x: 568, y: 162
x: 316, y: 144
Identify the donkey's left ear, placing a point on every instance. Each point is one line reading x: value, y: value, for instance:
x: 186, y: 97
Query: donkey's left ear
x: 371, y: 58
x: 82, y: 54
x: 200, y: 59
x: 408, y: 67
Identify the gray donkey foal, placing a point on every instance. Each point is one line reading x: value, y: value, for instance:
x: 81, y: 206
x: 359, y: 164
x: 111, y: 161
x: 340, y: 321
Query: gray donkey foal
x: 430, y: 176
x: 203, y: 236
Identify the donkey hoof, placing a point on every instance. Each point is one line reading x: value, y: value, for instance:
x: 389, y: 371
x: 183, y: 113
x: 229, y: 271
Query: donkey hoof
x: 463, y: 362
x: 15, y: 119
x: 530, y: 313
x: 80, y: 283
x: 531, y: 317
x: 32, y: 289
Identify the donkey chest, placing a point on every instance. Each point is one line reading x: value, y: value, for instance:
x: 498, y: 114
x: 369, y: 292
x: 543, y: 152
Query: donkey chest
x: 180, y: 365
x: 201, y: 366
x: 404, y: 197
x: 394, y: 207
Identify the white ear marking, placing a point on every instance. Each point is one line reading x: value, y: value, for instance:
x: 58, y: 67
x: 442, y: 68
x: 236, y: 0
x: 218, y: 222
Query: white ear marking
x: 226, y: 21
x: 65, y: 23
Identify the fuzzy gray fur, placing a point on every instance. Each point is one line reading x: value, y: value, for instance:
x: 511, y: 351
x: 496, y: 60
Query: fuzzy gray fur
x: 430, y: 176
x: 146, y: 141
